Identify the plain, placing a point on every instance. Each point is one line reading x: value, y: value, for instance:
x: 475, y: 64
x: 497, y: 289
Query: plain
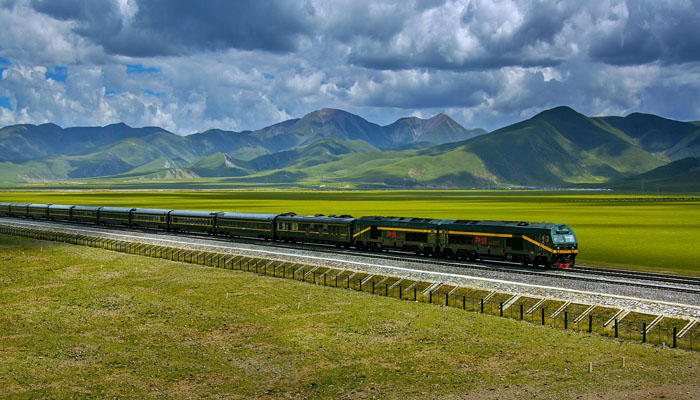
x: 83, y: 322
x: 652, y: 232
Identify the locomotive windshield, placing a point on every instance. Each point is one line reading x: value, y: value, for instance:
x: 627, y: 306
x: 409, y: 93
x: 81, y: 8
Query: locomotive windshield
x: 564, y: 238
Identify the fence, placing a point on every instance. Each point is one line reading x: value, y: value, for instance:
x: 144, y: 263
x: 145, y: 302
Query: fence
x: 536, y: 311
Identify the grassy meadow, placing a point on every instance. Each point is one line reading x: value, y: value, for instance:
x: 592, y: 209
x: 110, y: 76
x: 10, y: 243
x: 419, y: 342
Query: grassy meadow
x: 84, y: 322
x: 649, y: 233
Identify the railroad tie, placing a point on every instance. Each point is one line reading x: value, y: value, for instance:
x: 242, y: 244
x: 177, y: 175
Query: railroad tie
x: 687, y: 328
x: 511, y: 301
x: 488, y: 296
x: 395, y: 284
x: 560, y: 309
x: 367, y: 279
x: 435, y: 286
x: 620, y: 315
x: 584, y: 314
x: 654, y: 322
x: 539, y: 303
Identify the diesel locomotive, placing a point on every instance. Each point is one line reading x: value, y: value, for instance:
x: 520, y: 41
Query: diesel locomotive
x: 537, y: 244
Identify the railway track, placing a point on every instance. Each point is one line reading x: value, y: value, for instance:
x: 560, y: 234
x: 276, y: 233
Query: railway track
x: 646, y: 280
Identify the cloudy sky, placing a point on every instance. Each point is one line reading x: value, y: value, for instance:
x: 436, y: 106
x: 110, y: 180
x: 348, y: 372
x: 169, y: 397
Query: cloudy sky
x: 193, y: 65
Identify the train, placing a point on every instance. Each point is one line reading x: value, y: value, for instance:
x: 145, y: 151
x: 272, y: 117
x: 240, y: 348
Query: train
x: 538, y: 244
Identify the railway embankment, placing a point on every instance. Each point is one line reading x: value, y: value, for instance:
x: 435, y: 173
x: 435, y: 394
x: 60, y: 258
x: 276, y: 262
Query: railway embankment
x: 632, y: 310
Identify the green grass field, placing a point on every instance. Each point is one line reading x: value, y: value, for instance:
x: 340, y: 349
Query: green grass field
x: 83, y: 322
x: 648, y: 233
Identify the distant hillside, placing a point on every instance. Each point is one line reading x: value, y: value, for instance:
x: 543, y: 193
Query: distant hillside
x: 678, y: 176
x: 438, y: 129
x: 672, y: 139
x: 555, y: 148
x: 26, y: 142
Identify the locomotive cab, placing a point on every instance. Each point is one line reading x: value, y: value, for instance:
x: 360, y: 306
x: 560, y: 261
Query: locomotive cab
x: 564, y: 246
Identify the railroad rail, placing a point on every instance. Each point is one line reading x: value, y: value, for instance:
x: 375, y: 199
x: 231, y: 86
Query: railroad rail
x: 597, y: 275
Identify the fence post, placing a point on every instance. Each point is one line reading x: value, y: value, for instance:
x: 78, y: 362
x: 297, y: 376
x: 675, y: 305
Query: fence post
x: 521, y: 311
x: 566, y: 320
x: 447, y: 299
x: 500, y: 309
x: 464, y: 302
x: 542, y: 315
x: 590, y: 323
x: 644, y: 332
x: 386, y: 289
x: 482, y: 305
x: 616, y: 328
x: 674, y: 337
x: 372, y: 286
x: 430, y: 297
x: 400, y: 292
x: 415, y: 294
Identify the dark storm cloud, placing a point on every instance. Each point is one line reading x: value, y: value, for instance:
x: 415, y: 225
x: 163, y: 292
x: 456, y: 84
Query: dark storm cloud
x: 651, y: 32
x: 241, y: 64
x: 166, y: 27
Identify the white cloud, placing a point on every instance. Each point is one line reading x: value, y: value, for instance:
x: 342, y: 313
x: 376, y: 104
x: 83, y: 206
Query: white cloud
x: 484, y: 63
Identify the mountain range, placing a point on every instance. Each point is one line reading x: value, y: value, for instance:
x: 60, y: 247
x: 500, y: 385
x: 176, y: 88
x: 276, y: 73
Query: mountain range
x: 333, y: 148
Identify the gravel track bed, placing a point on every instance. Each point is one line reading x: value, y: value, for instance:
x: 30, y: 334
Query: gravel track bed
x: 608, y: 294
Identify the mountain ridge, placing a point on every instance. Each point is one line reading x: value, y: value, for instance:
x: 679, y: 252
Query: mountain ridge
x: 556, y: 147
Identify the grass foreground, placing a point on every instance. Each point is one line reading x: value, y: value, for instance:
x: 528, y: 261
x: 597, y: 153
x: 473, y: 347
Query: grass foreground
x: 78, y: 321
x: 655, y: 233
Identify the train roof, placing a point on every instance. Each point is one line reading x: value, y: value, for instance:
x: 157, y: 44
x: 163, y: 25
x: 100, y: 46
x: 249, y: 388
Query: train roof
x: 464, y: 224
x: 192, y: 213
x: 249, y: 216
x: 117, y: 209
x: 402, y: 220
x: 87, y: 208
x: 151, y: 211
x: 37, y: 205
x: 60, y: 206
x: 317, y: 219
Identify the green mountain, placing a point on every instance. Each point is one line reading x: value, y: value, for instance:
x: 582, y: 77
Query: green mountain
x: 325, y: 150
x: 558, y: 147
x: 671, y: 139
x: 216, y: 165
x: 345, y: 126
x: 679, y: 176
x: 26, y: 142
x: 555, y: 148
x: 438, y: 129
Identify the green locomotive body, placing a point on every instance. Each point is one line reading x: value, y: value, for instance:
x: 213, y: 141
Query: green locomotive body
x: 419, y: 235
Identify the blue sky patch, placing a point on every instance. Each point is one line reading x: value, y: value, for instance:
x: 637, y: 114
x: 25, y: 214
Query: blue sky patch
x: 140, y: 69
x: 110, y: 92
x: 5, y: 103
x: 4, y: 61
x: 152, y: 93
x: 268, y: 76
x: 57, y: 73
